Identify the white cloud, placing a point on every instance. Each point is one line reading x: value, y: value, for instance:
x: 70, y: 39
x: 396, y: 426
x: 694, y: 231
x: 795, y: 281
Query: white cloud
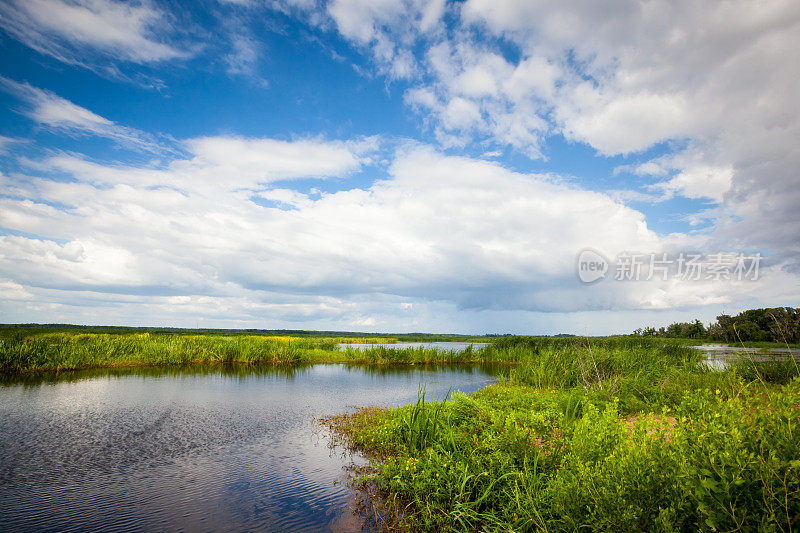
x: 365, y: 321
x: 78, y: 262
x: 224, y: 164
x: 476, y: 93
x: 52, y: 111
x: 244, y: 55
x: 461, y: 114
x: 700, y: 182
x: 6, y: 142
x: 387, y: 28
x: 361, y: 20
x: 717, y: 80
x: 368, y: 20
x: 10, y: 290
x: 245, y: 51
x: 263, y: 160
x: 438, y: 233
x: 68, y: 29
x: 438, y: 228
x: 627, y: 124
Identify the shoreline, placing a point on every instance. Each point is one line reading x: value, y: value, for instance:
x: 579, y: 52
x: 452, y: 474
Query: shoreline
x: 576, y: 432
x: 527, y: 453
x: 199, y: 363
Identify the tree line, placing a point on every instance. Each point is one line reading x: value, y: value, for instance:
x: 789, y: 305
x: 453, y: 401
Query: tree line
x: 775, y: 324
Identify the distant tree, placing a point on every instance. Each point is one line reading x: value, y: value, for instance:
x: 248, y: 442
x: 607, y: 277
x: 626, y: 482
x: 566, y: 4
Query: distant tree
x: 778, y: 324
x: 686, y: 330
x: 695, y: 330
x: 785, y: 325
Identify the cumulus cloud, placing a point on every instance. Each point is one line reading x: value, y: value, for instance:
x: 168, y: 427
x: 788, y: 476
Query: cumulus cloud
x: 271, y: 160
x: 142, y: 229
x: 437, y: 231
x: 217, y: 231
x: 714, y: 82
x: 11, y: 290
x: 386, y: 29
x: 476, y: 92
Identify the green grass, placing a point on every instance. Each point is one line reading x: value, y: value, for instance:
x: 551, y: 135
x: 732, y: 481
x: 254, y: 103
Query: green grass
x: 598, y: 434
x: 69, y: 351
x: 54, y: 349
x: 616, y: 435
x: 26, y: 349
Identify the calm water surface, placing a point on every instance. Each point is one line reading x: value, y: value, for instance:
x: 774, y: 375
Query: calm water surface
x: 719, y: 356
x: 446, y: 346
x: 196, y: 449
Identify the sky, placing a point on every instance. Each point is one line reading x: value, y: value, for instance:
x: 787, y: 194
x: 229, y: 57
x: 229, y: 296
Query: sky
x: 483, y: 166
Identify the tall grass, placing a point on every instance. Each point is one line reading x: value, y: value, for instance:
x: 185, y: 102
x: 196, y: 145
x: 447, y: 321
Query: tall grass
x: 595, y: 435
x: 67, y: 351
x: 424, y: 355
x: 768, y: 370
x: 421, y: 425
x: 27, y: 349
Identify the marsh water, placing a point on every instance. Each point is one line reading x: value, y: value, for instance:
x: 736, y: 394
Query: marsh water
x: 444, y: 346
x: 194, y: 449
x: 718, y: 356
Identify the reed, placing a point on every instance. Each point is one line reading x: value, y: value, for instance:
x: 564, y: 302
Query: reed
x: 31, y: 350
x: 70, y: 351
x: 616, y: 435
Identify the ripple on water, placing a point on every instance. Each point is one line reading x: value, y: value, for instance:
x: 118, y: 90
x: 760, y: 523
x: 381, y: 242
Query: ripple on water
x: 127, y: 451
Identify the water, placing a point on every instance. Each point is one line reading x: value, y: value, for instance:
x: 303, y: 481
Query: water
x: 446, y: 346
x: 204, y: 448
x: 718, y: 356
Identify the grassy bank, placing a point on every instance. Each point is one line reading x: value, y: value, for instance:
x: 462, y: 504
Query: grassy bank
x: 40, y: 349
x: 31, y: 349
x: 620, y: 433
x: 616, y: 435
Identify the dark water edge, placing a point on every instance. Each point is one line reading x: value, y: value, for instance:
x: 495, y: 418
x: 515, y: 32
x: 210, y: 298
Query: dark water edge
x: 223, y: 448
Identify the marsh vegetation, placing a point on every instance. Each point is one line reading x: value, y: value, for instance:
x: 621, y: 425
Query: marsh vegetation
x: 596, y: 435
x: 45, y: 349
x: 629, y: 433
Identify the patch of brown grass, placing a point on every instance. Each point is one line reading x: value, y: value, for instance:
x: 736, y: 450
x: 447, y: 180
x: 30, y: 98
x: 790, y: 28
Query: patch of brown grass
x: 657, y: 424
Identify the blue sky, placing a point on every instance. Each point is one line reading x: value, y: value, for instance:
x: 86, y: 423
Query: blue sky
x: 391, y: 166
